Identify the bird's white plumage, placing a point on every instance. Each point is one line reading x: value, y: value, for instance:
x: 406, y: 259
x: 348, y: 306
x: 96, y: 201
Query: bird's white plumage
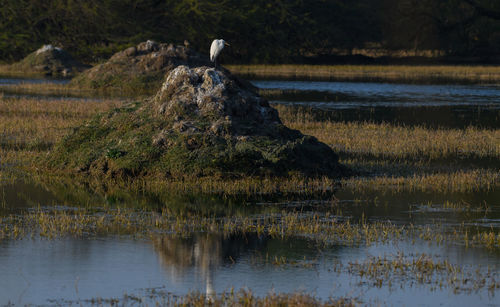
x: 216, y: 48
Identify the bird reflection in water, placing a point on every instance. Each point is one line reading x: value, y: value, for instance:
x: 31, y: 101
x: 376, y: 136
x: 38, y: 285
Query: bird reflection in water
x: 205, y: 252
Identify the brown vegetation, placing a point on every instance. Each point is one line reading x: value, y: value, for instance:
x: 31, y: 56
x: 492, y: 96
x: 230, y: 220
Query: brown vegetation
x: 382, y: 73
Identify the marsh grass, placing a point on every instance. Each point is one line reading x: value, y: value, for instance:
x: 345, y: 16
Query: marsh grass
x: 424, y: 270
x: 383, y: 156
x: 379, y: 73
x: 28, y: 125
x: 402, y: 271
x: 241, y: 298
x: 57, y: 89
x: 57, y: 222
x: 8, y: 71
x: 384, y: 140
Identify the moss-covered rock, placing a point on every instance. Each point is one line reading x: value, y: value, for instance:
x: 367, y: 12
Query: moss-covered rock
x: 49, y: 61
x: 140, y: 69
x: 202, y: 122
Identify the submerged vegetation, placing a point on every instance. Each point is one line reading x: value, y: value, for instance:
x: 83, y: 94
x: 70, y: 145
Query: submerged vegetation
x: 55, y: 223
x: 242, y: 298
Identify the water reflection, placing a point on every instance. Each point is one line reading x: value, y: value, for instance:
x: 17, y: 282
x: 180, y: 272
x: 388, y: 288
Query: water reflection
x: 395, y: 94
x: 15, y: 81
x: 205, y: 252
x: 403, y: 207
x: 75, y: 270
x: 454, y: 106
x: 17, y: 196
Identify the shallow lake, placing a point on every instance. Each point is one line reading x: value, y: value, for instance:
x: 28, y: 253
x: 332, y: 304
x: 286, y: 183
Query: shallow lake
x: 15, y: 81
x: 453, y: 106
x: 45, y: 271
x: 70, y: 270
x: 38, y: 271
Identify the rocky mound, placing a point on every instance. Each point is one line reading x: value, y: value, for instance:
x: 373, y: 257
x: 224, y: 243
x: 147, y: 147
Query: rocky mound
x: 139, y: 69
x: 202, y: 122
x: 49, y: 61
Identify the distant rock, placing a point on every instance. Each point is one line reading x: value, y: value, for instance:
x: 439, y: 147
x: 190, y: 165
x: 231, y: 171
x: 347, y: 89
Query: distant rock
x: 49, y: 61
x: 201, y: 122
x: 139, y: 69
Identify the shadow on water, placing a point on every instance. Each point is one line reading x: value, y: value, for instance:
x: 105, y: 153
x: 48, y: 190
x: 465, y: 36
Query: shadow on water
x: 449, y: 106
x: 434, y: 117
x: 21, y: 195
x: 480, y: 208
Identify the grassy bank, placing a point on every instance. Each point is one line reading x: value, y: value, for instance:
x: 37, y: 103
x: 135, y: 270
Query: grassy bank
x: 7, y: 71
x: 384, y: 156
x: 54, y: 89
x: 379, y: 73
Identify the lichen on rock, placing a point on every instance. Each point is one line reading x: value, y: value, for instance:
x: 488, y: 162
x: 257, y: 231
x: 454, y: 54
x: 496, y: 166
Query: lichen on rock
x: 47, y: 48
x: 202, y: 122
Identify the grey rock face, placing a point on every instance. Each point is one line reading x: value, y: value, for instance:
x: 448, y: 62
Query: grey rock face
x: 211, y: 94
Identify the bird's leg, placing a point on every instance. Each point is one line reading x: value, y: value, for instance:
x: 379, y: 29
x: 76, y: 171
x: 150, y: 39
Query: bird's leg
x: 215, y: 60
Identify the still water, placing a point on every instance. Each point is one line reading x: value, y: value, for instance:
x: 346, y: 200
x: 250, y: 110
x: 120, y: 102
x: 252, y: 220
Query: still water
x: 38, y: 271
x: 15, y: 81
x: 45, y: 271
x: 454, y: 106
x: 69, y: 270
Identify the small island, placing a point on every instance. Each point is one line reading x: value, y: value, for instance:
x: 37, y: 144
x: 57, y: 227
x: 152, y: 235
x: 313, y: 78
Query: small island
x: 202, y: 122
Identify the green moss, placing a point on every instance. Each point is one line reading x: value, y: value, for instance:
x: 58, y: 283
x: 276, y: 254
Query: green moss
x: 120, y: 143
x: 56, y: 63
x: 204, y: 126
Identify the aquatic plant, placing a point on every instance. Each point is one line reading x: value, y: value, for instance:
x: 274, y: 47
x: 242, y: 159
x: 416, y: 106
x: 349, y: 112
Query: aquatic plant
x: 90, y: 222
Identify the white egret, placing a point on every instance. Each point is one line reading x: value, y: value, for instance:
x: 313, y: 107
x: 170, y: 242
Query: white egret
x: 216, y: 48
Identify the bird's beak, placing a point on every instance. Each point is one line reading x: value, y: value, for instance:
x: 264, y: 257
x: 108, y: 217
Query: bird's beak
x: 226, y: 44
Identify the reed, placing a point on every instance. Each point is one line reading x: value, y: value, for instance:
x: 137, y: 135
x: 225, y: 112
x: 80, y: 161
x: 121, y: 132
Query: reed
x: 54, y: 223
x: 55, y: 89
x: 424, y: 270
x: 241, y: 298
x: 385, y: 73
x: 384, y: 156
x: 384, y: 140
x: 10, y: 72
x: 36, y: 124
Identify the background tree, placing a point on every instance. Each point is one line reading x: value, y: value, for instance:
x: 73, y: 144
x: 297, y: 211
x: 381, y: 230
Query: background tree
x: 259, y: 31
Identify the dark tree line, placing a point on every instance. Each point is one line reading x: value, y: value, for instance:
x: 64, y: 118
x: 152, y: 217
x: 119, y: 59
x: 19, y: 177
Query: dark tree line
x: 259, y: 30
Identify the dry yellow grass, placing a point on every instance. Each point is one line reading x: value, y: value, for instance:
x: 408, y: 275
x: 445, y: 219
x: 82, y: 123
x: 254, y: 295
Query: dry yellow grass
x: 53, y: 89
x: 36, y: 123
x: 394, y: 73
x: 7, y: 71
x: 389, y: 141
x: 399, y: 156
x: 384, y: 140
